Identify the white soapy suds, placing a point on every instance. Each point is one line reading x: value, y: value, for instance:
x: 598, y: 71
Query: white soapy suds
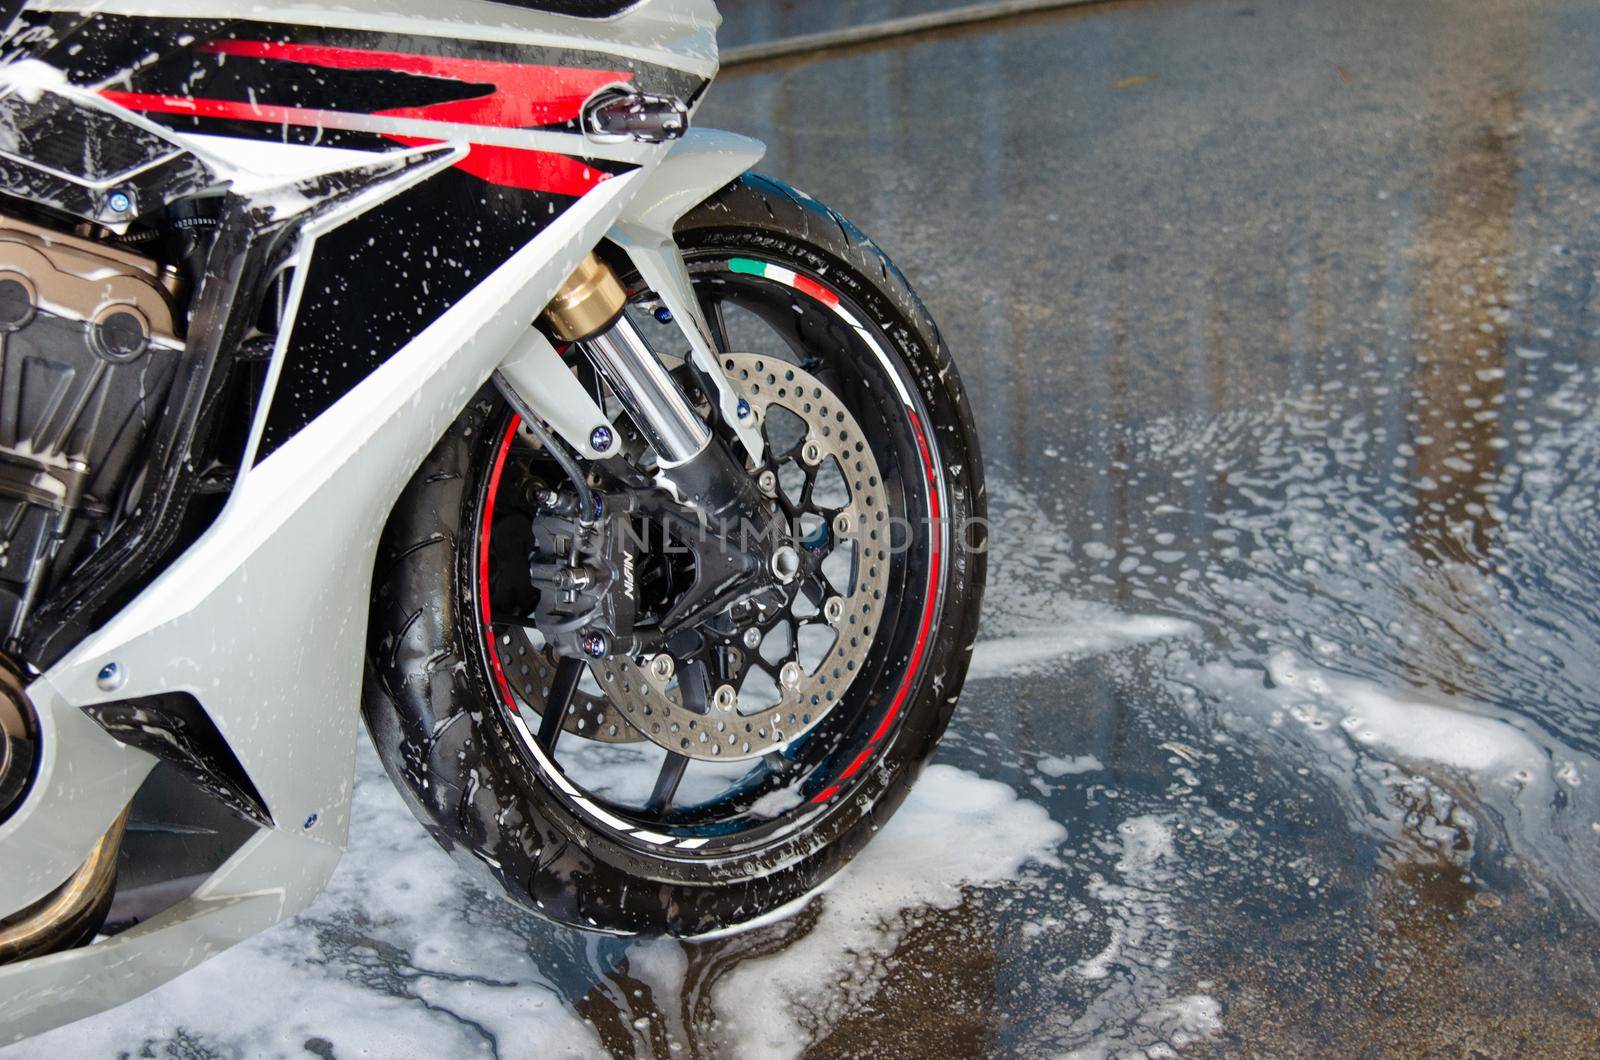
x: 1052, y: 766
x: 1095, y: 631
x: 32, y: 78
x: 404, y: 956
x: 955, y: 830
x: 400, y: 956
x: 1427, y: 766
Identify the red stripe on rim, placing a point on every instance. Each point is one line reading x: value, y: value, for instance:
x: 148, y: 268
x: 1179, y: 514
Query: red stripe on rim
x: 933, y: 585
x: 906, y: 683
x: 487, y: 520
x: 815, y: 290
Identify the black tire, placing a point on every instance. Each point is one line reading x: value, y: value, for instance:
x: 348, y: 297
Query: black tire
x: 435, y: 715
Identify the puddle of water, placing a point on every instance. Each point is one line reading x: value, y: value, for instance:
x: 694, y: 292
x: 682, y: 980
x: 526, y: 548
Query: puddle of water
x: 1135, y: 1012
x: 1462, y: 778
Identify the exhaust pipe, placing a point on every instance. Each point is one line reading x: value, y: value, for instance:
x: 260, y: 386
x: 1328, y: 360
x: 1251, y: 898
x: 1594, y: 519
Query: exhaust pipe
x: 69, y: 915
x: 72, y: 913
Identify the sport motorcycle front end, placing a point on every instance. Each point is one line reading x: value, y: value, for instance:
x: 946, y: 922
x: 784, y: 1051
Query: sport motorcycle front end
x: 424, y: 361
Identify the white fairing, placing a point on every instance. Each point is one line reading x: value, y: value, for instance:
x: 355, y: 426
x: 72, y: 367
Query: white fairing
x: 264, y: 618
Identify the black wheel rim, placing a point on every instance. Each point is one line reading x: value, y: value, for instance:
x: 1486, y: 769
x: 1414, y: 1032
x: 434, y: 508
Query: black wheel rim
x: 651, y: 799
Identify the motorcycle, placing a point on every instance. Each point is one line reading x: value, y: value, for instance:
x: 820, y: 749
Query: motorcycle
x: 427, y: 359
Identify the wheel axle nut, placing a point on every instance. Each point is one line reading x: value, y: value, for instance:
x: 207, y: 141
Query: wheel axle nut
x: 594, y: 645
x: 785, y: 563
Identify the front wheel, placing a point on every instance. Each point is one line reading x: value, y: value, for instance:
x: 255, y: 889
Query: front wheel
x: 745, y: 763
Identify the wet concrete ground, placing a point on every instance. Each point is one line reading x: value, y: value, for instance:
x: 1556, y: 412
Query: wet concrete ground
x: 1280, y: 321
x: 762, y: 21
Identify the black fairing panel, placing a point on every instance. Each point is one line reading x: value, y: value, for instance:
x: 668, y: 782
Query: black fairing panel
x: 371, y: 284
x: 452, y: 230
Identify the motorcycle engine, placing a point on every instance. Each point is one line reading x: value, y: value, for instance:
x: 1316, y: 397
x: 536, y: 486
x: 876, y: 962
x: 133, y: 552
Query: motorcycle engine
x: 89, y: 349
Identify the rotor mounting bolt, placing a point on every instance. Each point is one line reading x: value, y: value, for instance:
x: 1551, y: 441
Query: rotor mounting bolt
x: 791, y: 675
x: 109, y: 678
x: 841, y: 524
x: 725, y: 698
x: 812, y: 453
x: 743, y: 409
x: 752, y: 637
x: 600, y: 439
x: 119, y: 202
x: 662, y: 666
x: 767, y: 482
x: 594, y: 645
x: 833, y: 610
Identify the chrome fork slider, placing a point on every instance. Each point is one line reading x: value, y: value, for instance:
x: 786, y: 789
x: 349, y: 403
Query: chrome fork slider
x: 588, y: 310
x: 650, y: 395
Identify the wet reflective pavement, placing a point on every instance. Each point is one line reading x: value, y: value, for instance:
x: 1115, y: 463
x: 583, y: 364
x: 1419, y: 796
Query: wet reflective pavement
x: 763, y: 21
x: 1280, y: 322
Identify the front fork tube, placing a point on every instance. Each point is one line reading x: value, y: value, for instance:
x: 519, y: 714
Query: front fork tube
x: 588, y: 310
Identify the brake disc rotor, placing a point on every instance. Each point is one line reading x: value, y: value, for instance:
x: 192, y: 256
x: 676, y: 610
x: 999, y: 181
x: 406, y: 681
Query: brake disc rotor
x: 829, y: 482
x: 532, y: 671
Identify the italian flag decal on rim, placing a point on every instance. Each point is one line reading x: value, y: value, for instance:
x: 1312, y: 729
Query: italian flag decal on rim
x: 787, y: 277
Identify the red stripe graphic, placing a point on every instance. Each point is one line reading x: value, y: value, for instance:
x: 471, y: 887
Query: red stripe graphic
x: 520, y: 96
x: 516, y: 96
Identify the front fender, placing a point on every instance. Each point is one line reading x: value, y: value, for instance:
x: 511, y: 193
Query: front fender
x: 703, y: 161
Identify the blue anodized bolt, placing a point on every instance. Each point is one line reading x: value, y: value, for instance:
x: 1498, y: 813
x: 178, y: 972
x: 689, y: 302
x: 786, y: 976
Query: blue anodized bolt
x: 119, y: 202
x: 110, y: 676
x: 663, y: 315
x: 744, y: 409
x: 594, y: 645
x: 600, y: 439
